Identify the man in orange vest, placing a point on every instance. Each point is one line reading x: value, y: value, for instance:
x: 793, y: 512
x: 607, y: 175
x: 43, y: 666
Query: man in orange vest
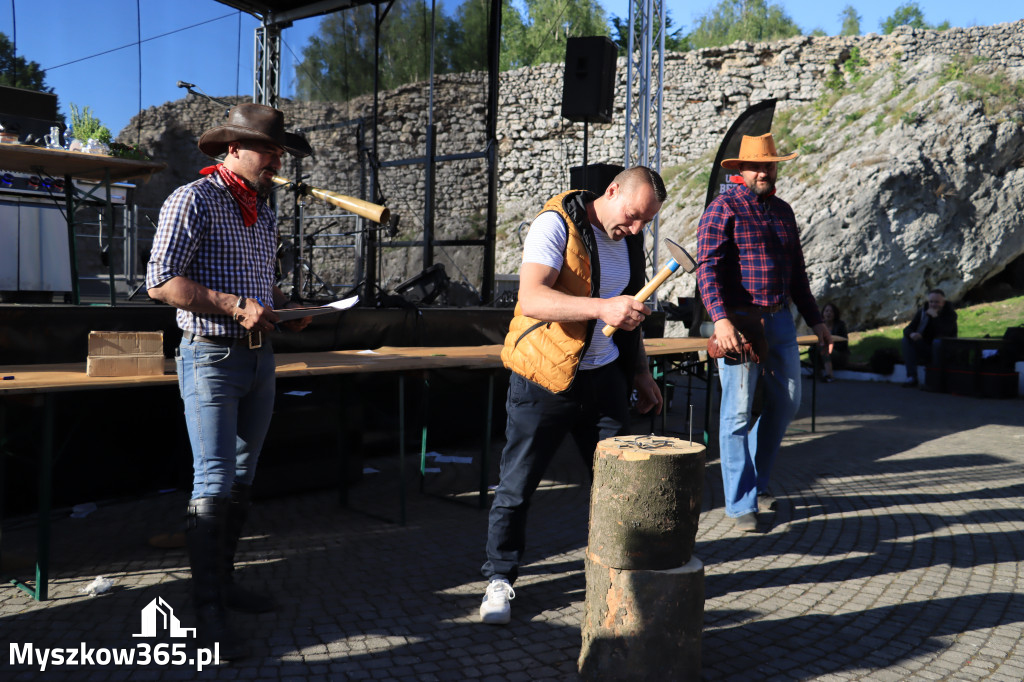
x: 583, y: 260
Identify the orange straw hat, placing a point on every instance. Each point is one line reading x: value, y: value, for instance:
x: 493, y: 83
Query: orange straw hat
x: 759, y: 149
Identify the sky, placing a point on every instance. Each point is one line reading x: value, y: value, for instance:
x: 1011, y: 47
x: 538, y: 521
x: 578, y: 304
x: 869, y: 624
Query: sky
x: 92, y: 58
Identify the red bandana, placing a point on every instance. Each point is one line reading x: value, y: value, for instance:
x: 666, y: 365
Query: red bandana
x: 243, y: 194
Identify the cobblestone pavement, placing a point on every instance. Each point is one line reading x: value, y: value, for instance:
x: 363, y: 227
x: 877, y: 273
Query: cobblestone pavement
x: 894, y: 554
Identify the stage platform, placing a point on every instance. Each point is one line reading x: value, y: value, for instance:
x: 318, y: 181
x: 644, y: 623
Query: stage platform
x: 54, y: 333
x: 116, y: 445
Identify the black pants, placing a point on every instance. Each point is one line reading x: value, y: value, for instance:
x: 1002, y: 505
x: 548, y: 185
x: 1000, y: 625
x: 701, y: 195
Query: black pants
x: 595, y: 407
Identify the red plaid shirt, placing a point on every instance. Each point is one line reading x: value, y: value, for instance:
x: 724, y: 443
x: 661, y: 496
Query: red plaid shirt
x: 749, y: 254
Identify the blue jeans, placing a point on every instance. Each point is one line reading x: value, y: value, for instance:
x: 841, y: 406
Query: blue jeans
x: 228, y: 393
x: 915, y: 351
x: 594, y: 408
x: 748, y: 448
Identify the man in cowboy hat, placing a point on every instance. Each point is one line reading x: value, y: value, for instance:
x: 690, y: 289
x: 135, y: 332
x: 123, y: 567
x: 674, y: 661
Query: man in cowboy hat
x: 213, y: 259
x: 752, y: 268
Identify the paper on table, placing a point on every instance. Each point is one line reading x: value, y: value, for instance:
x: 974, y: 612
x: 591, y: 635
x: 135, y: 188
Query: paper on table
x: 285, y: 314
x: 448, y: 459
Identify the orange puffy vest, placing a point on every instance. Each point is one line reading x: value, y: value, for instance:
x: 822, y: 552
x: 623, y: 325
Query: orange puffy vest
x: 549, y: 353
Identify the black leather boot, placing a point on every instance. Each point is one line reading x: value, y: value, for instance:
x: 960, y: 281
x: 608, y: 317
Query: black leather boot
x: 204, y: 536
x: 237, y: 597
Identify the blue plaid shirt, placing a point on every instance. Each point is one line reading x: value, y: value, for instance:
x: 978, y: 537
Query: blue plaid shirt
x: 750, y: 254
x: 201, y: 237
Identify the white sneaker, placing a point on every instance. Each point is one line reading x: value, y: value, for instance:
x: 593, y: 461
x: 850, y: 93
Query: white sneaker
x: 495, y: 608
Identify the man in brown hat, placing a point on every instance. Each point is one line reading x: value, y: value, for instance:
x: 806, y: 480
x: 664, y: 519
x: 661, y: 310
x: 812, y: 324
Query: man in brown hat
x: 752, y: 269
x: 213, y: 259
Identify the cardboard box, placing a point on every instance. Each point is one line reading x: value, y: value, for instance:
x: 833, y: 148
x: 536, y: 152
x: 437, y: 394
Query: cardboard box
x: 123, y: 354
x: 126, y: 343
x: 124, y: 365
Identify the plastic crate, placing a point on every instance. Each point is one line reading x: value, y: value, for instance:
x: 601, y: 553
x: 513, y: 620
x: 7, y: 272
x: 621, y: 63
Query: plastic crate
x: 934, y: 379
x: 961, y: 381
x: 967, y: 354
x: 997, y: 384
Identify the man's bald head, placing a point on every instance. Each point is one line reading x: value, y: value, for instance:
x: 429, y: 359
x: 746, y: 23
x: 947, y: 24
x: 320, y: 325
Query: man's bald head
x: 636, y: 176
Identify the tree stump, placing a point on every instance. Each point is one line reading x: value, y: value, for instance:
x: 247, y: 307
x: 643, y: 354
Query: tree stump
x: 645, y: 502
x: 644, y: 607
x: 643, y: 625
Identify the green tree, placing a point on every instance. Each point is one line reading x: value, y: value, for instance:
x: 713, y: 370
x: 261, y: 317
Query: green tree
x: 546, y: 27
x: 675, y: 41
x: 467, y: 35
x: 851, y: 21
x: 909, y: 14
x: 16, y: 72
x: 751, y: 20
x: 405, y: 43
x: 338, y: 63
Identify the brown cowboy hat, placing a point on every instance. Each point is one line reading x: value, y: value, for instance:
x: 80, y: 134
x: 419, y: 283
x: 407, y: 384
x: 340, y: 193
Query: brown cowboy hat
x: 251, y: 121
x: 759, y: 149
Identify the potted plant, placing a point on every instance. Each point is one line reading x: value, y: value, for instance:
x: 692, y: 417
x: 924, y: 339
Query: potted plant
x: 88, y: 132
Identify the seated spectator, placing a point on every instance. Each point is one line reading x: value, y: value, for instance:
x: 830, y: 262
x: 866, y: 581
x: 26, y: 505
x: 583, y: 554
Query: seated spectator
x: 839, y: 358
x: 922, y: 338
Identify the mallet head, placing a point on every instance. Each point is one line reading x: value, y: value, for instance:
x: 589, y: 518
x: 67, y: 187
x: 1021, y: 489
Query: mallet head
x: 678, y: 253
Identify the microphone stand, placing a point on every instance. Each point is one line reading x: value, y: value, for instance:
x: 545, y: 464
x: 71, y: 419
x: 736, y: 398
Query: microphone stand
x: 189, y: 88
x: 373, y: 264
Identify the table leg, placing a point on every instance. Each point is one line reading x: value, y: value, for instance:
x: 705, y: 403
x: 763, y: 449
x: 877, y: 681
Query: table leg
x: 485, y: 453
x: 41, y: 590
x: 45, y: 492
x: 339, y: 447
x: 3, y: 471
x: 661, y: 376
x: 424, y: 402
x: 401, y: 448
x: 814, y: 389
x: 707, y: 402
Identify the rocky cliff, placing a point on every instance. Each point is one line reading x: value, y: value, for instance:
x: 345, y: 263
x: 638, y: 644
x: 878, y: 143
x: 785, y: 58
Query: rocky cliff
x: 909, y: 179
x: 911, y: 152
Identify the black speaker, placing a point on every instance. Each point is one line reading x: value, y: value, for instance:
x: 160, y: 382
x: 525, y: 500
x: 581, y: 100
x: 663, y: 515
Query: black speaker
x: 595, y: 177
x: 30, y: 103
x: 589, y: 86
x: 423, y: 288
x: 28, y: 114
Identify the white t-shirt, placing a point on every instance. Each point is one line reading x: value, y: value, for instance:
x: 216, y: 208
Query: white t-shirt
x: 545, y: 244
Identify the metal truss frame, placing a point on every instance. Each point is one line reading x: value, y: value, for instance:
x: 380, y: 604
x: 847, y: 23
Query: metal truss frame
x: 644, y: 89
x: 266, y: 80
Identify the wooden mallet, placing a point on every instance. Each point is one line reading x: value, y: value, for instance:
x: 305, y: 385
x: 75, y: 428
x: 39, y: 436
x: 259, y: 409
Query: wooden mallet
x: 679, y: 259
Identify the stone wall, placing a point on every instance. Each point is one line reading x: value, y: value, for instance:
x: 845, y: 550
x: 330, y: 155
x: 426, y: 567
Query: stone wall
x: 704, y: 91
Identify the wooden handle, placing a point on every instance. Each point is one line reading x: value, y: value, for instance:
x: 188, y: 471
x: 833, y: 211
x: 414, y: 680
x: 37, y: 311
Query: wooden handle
x: 648, y: 289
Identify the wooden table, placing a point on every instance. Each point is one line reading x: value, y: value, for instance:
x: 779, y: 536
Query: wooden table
x: 665, y: 353
x: 47, y: 380
x: 23, y: 158
x: 26, y: 158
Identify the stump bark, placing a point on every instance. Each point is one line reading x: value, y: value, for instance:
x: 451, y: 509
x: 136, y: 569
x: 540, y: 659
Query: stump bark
x: 644, y: 606
x: 643, y: 625
x: 645, y: 502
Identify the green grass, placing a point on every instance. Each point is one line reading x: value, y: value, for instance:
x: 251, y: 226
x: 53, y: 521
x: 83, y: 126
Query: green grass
x: 976, y: 321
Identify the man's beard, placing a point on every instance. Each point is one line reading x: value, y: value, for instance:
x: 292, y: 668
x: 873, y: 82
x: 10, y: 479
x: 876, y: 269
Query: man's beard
x: 262, y: 187
x: 762, y: 190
